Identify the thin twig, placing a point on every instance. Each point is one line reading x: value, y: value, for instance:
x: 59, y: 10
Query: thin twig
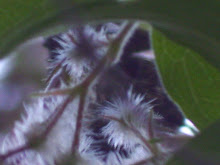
x: 134, y: 130
x: 142, y: 162
x: 54, y: 92
x: 118, y: 43
x: 150, y: 125
x: 59, y: 65
x: 107, y: 60
x: 75, y: 143
x: 112, y: 55
x: 58, y: 114
x: 151, y: 133
x: 141, y: 137
x: 112, y: 118
x: 13, y: 152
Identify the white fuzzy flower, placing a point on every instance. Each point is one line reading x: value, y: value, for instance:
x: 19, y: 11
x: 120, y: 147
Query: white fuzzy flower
x: 74, y: 61
x: 79, y: 51
x: 131, y: 111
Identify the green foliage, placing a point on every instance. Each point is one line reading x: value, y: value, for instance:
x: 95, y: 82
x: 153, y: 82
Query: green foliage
x: 203, y: 150
x: 192, y: 24
x: 18, y: 20
x: 190, y: 80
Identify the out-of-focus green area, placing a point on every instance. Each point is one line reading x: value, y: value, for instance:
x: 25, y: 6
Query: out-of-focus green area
x: 193, y: 24
x: 190, y: 80
x: 203, y: 150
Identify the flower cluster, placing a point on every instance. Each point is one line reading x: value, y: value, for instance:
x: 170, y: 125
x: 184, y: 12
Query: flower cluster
x: 95, y: 110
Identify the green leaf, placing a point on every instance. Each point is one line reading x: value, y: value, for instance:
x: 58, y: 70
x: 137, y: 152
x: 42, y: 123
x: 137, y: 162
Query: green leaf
x: 203, y: 150
x: 19, y: 19
x: 192, y: 24
x: 189, y: 79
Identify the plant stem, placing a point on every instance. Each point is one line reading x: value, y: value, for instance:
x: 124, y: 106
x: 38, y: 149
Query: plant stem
x: 75, y: 144
x: 13, y: 152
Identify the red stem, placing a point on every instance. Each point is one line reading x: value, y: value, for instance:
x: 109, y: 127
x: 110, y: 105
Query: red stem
x: 75, y: 144
x: 13, y: 152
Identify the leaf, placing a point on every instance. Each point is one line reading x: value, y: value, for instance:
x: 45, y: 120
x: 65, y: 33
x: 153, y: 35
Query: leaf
x: 189, y: 79
x: 193, y: 24
x: 202, y: 150
x: 19, y: 20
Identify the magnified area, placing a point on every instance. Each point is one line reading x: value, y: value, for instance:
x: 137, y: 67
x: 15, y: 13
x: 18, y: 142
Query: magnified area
x: 90, y: 95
